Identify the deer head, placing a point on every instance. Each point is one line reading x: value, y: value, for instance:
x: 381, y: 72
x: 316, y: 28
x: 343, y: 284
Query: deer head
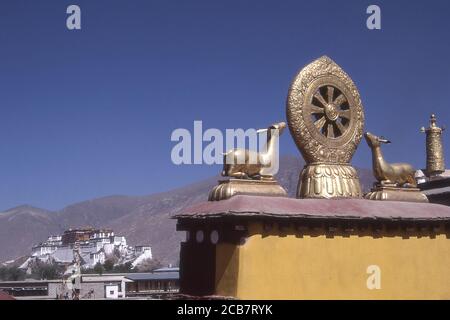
x: 280, y: 126
x: 374, y: 141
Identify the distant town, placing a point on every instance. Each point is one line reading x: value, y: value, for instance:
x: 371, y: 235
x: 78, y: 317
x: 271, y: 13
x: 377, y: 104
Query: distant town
x: 88, y: 263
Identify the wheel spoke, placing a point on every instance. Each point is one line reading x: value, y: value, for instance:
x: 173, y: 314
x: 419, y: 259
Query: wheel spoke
x: 320, y: 123
x: 330, y: 131
x: 316, y: 109
x: 330, y: 94
x: 344, y: 114
x: 340, y: 127
x: 319, y: 97
x: 323, y: 109
x: 340, y: 100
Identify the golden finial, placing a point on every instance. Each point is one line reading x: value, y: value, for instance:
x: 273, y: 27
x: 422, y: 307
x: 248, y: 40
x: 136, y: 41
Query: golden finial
x: 435, y: 152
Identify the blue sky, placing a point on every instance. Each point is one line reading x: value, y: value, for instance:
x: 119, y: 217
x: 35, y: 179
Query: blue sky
x: 89, y: 113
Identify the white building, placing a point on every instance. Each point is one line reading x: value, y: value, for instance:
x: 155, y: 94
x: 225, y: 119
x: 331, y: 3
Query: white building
x: 96, y: 248
x: 143, y: 253
x: 47, y: 247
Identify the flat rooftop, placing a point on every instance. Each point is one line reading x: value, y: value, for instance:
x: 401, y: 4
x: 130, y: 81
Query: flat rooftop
x: 279, y: 207
x: 153, y: 276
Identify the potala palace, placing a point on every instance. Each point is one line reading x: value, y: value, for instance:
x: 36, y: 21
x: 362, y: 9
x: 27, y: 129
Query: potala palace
x: 86, y: 247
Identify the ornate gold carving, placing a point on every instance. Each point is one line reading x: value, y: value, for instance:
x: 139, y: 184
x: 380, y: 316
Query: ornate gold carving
x: 255, y: 175
x: 395, y: 182
x: 260, y: 169
x: 395, y: 174
x: 326, y: 120
x: 329, y: 181
x: 228, y: 188
x: 387, y: 193
x: 325, y: 113
x: 435, y: 152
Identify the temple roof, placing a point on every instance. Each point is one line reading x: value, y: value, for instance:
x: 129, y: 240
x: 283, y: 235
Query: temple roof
x: 245, y: 206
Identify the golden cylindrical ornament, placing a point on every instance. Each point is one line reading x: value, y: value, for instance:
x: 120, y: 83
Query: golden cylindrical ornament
x: 435, y: 152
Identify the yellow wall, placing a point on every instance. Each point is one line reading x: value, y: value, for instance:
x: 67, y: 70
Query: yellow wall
x: 295, y: 266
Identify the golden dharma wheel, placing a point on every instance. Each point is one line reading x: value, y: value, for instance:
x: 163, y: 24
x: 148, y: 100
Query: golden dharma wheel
x: 325, y: 113
x: 326, y: 120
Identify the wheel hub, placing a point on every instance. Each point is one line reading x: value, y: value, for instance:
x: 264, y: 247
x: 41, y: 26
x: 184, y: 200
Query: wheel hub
x: 331, y: 112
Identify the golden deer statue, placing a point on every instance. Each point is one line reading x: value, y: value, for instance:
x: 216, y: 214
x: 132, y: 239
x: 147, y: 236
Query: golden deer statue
x: 249, y: 164
x: 398, y: 174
